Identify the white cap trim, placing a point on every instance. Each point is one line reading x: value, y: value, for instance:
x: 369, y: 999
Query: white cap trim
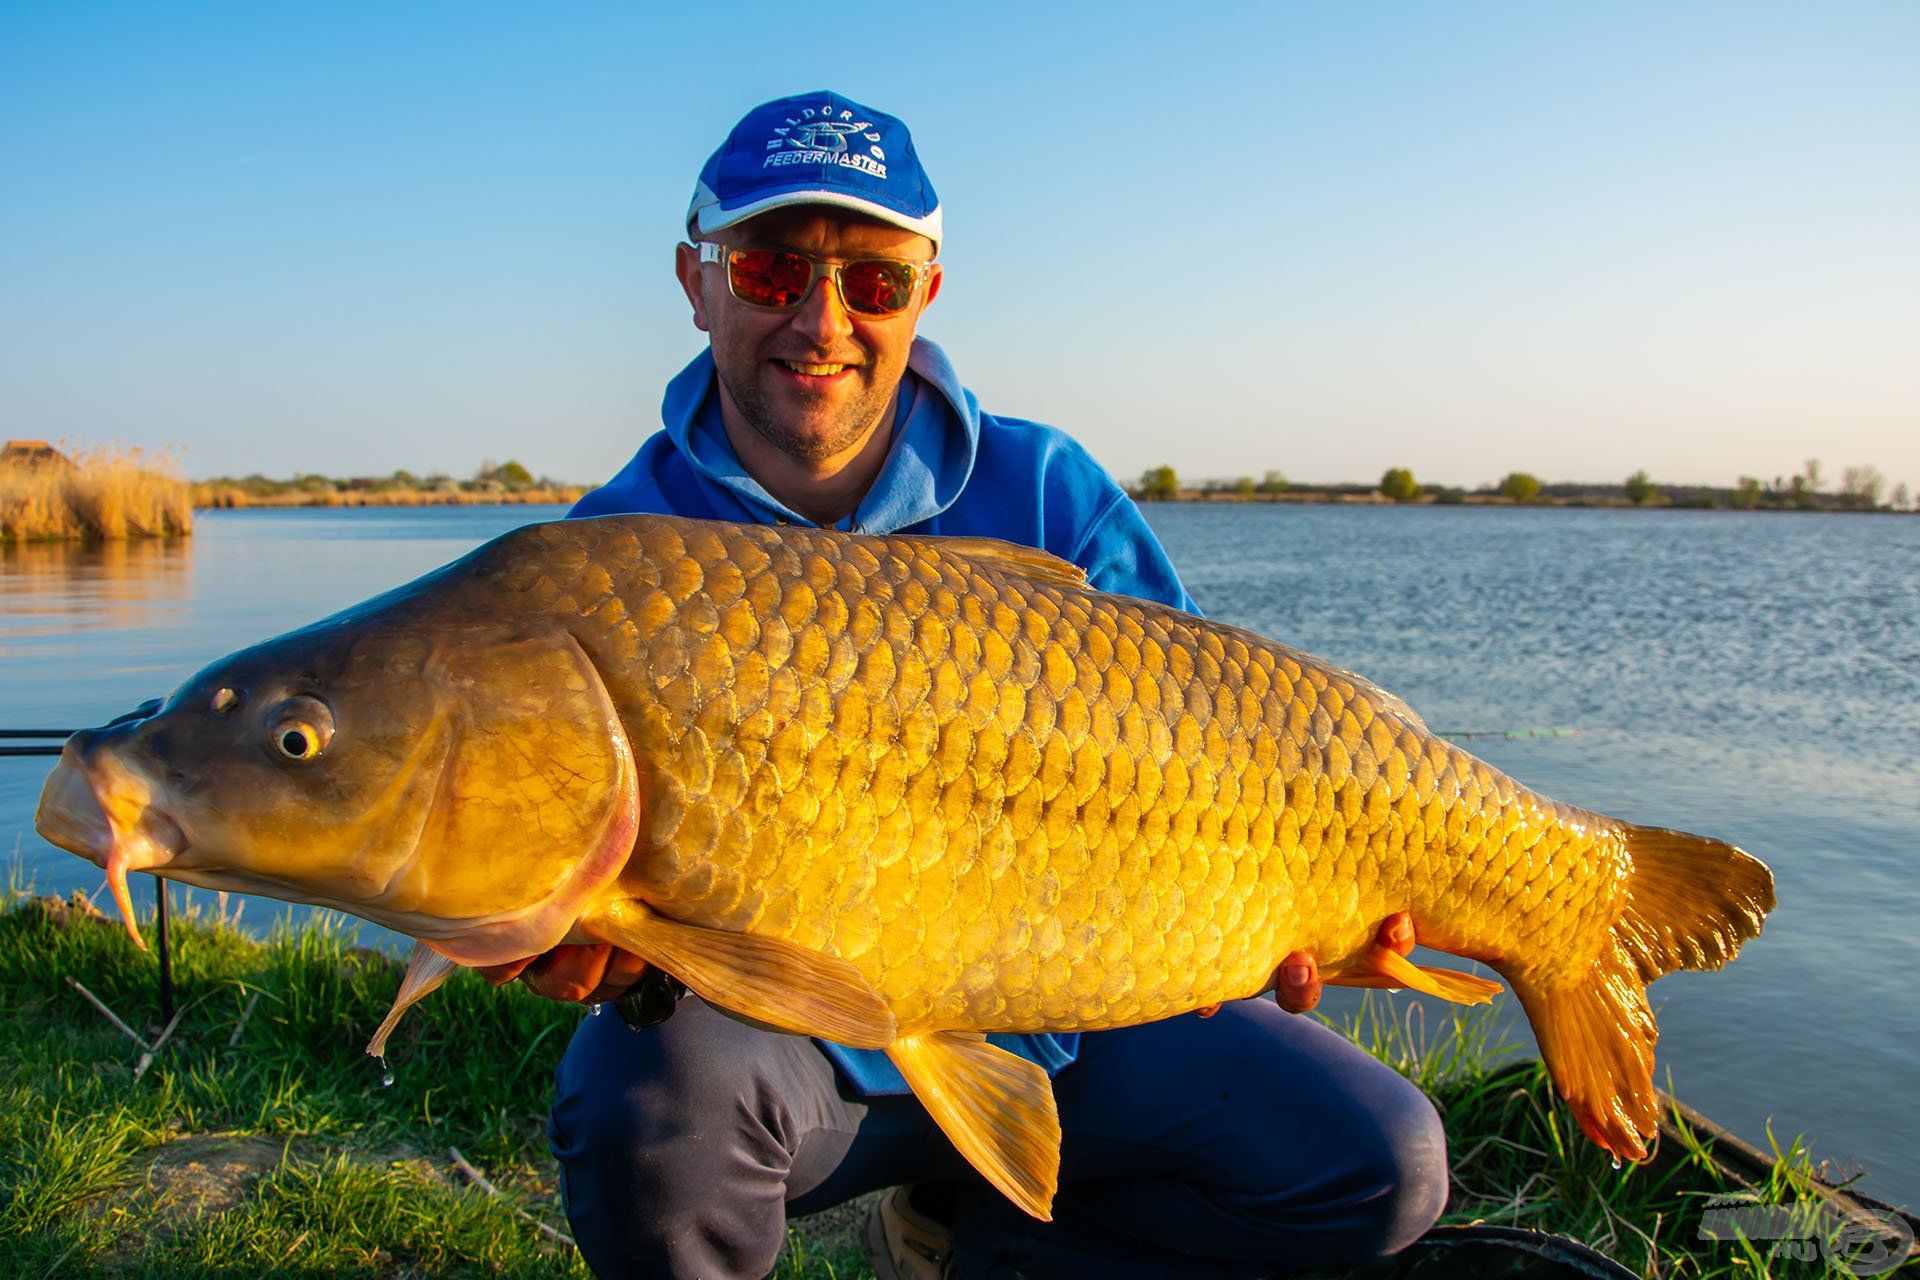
x: 705, y: 216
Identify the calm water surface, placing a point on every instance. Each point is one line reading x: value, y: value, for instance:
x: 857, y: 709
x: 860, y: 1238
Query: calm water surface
x: 1755, y: 677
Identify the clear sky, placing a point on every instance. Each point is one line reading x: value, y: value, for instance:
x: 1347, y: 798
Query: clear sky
x: 1327, y: 238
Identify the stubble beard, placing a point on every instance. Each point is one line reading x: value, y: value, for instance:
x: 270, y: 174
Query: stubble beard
x: 851, y: 428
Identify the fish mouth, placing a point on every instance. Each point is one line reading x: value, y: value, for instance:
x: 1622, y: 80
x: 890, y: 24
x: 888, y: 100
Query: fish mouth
x: 104, y: 811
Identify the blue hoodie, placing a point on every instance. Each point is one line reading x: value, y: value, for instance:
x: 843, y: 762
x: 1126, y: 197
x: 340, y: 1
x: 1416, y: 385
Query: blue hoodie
x: 952, y: 469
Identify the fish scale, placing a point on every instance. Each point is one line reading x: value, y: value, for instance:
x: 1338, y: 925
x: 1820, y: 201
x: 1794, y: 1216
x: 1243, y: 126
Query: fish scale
x: 981, y: 815
x: 896, y: 792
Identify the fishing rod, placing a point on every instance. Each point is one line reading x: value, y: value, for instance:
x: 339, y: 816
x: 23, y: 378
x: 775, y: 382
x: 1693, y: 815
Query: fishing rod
x: 1470, y: 734
x: 53, y: 748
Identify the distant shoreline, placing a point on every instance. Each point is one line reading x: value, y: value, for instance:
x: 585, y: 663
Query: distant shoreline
x: 211, y: 497
x: 1860, y: 489
x: 1343, y: 497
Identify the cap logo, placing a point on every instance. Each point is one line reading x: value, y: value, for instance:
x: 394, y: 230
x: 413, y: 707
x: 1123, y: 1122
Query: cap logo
x: 821, y: 136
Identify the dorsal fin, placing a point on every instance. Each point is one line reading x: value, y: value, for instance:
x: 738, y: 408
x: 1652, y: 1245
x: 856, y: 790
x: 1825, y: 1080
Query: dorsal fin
x: 1010, y: 557
x: 1042, y: 566
x: 1382, y: 699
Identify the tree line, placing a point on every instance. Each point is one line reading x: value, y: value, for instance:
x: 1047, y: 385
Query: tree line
x: 1861, y: 488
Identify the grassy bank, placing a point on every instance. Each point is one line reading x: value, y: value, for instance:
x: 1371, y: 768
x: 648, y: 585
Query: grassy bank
x: 96, y: 495
x: 263, y: 1142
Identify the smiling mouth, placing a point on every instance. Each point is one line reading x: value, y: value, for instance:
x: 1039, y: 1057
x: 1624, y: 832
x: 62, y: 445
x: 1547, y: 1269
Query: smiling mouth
x: 810, y: 370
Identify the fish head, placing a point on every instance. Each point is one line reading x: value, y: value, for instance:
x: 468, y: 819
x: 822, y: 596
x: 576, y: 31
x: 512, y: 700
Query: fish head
x: 460, y: 780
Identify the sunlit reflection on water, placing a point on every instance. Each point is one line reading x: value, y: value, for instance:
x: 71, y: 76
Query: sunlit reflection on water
x: 56, y: 588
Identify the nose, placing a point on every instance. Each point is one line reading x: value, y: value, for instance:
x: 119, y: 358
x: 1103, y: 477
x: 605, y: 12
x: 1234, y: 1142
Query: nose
x: 821, y: 318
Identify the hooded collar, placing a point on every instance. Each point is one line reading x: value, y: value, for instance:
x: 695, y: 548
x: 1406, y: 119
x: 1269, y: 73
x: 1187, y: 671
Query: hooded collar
x: 936, y: 431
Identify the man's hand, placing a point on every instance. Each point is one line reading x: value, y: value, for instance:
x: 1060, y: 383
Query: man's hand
x: 587, y: 974
x: 1296, y: 983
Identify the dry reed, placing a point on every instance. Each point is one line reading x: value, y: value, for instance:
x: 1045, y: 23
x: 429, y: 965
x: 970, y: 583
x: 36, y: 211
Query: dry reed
x: 94, y: 495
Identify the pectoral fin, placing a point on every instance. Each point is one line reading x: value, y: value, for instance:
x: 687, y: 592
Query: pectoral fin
x: 1384, y: 967
x: 997, y: 1109
x: 1028, y: 562
x: 426, y: 970
x: 763, y: 979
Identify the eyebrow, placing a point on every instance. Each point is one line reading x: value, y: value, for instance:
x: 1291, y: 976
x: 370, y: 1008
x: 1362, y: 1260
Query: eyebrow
x: 859, y: 255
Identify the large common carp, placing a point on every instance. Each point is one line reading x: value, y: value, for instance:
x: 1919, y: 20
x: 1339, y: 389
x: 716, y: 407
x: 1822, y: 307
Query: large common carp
x: 895, y: 792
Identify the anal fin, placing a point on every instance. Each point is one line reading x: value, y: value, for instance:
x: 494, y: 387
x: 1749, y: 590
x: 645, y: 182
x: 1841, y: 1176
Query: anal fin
x: 997, y: 1109
x: 766, y: 980
x: 426, y: 970
x: 1384, y: 967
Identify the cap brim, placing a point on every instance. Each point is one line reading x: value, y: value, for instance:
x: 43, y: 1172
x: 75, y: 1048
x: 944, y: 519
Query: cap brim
x: 710, y: 218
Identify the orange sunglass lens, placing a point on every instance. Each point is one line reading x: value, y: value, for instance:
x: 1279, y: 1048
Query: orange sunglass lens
x: 769, y: 279
x: 876, y: 288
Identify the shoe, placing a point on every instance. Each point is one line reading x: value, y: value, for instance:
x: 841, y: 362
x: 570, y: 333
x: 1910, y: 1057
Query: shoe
x: 903, y: 1243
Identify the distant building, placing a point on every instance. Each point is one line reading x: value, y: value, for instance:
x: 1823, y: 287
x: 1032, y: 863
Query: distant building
x: 33, y: 454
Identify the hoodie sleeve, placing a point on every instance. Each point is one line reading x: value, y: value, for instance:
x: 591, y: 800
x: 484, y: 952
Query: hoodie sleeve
x: 1028, y: 471
x: 1121, y: 554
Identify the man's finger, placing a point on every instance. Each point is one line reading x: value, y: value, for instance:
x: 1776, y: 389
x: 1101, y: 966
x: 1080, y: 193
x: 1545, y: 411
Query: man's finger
x: 501, y: 974
x: 1297, y: 982
x: 569, y: 972
x: 624, y: 969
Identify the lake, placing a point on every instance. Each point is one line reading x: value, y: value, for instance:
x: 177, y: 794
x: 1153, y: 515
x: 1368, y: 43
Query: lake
x: 1751, y: 676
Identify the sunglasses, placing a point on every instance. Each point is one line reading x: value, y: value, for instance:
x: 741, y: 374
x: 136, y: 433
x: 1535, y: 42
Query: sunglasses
x: 780, y: 279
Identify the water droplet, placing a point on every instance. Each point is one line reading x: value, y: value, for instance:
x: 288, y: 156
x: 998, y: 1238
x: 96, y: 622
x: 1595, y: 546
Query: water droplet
x: 386, y: 1079
x: 1616, y: 1163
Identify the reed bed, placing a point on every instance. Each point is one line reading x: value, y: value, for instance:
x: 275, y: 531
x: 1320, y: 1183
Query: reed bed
x: 94, y: 495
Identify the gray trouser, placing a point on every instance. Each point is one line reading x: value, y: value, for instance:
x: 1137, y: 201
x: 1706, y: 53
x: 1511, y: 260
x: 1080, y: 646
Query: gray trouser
x: 1250, y: 1143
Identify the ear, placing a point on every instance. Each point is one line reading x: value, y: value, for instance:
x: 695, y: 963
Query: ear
x: 686, y: 265
x: 935, y: 275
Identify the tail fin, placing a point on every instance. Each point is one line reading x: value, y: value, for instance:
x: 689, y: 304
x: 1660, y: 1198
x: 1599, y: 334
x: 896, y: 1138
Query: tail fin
x: 1691, y: 902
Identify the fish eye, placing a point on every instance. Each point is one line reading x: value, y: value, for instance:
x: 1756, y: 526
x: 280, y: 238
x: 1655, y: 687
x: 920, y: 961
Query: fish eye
x: 300, y: 728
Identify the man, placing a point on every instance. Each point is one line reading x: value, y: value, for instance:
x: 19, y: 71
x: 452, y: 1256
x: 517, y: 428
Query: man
x: 1241, y: 1144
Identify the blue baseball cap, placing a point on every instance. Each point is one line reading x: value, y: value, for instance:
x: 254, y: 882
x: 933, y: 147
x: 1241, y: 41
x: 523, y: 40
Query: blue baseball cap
x: 815, y: 148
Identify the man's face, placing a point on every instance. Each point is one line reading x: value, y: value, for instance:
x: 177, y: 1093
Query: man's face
x: 815, y: 380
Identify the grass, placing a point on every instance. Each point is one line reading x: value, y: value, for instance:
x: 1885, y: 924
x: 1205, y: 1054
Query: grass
x: 269, y: 1147
x: 106, y: 493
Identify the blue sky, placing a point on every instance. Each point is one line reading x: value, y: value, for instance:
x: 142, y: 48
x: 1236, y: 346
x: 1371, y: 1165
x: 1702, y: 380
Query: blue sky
x: 1324, y: 238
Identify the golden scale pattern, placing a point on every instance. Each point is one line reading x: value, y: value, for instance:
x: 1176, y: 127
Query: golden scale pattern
x: 1016, y: 804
